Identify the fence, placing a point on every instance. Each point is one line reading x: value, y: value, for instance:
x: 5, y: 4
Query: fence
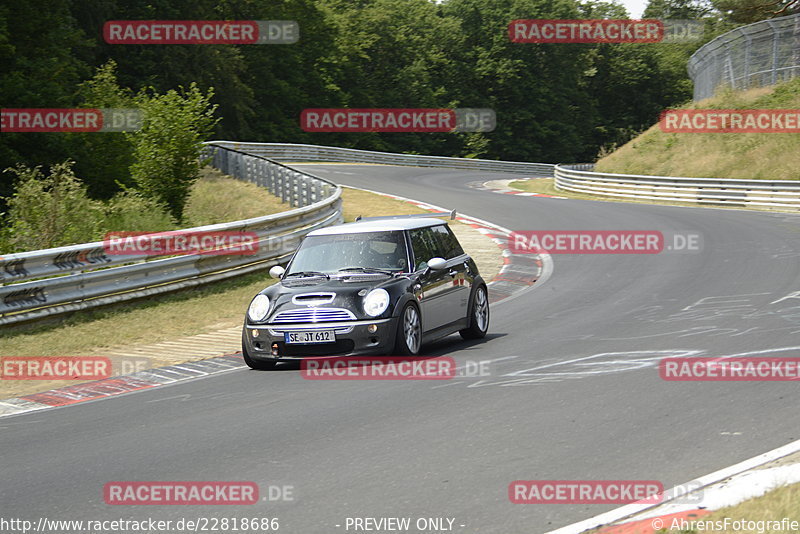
x: 759, y: 54
x: 300, y: 153
x: 714, y: 191
x: 50, y: 282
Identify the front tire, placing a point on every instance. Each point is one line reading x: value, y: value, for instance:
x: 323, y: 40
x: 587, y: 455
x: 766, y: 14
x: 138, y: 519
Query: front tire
x: 409, y: 332
x: 251, y: 363
x: 478, y: 317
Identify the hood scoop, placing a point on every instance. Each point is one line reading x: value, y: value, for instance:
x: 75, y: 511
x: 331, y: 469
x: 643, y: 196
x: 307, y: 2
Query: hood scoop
x: 305, y: 281
x: 313, y: 299
x: 361, y: 277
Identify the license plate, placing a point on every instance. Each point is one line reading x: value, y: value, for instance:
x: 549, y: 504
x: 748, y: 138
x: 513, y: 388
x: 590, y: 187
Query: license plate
x: 315, y: 336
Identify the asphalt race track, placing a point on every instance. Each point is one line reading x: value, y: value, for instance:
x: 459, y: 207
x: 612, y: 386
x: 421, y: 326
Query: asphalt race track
x: 574, y: 393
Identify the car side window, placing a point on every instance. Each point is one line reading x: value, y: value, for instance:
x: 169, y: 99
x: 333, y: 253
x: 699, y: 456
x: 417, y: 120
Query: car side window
x: 425, y: 246
x: 449, y: 247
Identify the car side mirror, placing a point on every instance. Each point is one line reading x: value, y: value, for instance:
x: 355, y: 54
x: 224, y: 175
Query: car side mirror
x: 276, y: 271
x: 437, y: 264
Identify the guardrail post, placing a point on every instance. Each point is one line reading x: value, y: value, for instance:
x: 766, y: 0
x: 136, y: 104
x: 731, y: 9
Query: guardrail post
x: 285, y: 195
x: 295, y: 185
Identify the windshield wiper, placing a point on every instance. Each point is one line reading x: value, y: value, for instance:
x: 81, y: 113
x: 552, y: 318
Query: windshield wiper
x: 308, y: 273
x: 368, y: 270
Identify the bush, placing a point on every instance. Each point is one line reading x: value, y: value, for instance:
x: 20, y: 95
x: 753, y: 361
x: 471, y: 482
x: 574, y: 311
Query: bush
x: 54, y: 210
x: 130, y: 211
x: 51, y: 211
x: 167, y: 148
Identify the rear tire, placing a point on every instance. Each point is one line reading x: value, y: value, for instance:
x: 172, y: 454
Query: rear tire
x: 409, y: 332
x: 254, y: 364
x: 478, y: 316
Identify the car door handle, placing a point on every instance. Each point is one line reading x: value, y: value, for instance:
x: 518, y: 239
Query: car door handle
x: 453, y: 272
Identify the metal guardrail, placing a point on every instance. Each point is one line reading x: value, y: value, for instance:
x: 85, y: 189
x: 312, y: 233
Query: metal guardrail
x: 579, y: 178
x: 755, y: 55
x: 50, y: 282
x: 722, y: 192
x: 310, y: 153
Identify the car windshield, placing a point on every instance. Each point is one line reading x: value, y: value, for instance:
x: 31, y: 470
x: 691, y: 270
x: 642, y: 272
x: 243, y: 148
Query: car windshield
x: 353, y: 253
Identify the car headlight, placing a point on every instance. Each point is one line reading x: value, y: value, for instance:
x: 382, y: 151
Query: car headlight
x: 259, y: 308
x: 376, y: 302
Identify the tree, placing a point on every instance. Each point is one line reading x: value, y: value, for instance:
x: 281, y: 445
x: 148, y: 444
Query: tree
x: 103, y: 160
x: 749, y: 11
x: 167, y: 148
x: 41, y: 62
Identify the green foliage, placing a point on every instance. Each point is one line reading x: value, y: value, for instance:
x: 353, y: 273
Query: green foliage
x: 677, y: 9
x: 554, y: 102
x: 131, y: 211
x: 748, y: 11
x: 51, y: 210
x: 760, y: 156
x: 103, y: 175
x: 54, y: 210
x: 41, y: 61
x: 167, y: 148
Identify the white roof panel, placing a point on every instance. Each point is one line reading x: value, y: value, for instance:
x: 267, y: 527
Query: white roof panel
x: 384, y: 225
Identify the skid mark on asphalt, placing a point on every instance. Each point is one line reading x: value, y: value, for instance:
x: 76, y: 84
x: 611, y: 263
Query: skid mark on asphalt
x: 718, y: 315
x: 600, y: 364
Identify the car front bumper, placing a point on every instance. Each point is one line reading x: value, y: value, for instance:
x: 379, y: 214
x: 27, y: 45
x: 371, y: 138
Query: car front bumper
x: 352, y: 339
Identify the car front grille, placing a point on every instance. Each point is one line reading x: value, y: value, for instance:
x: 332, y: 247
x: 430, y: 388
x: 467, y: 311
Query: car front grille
x: 313, y: 315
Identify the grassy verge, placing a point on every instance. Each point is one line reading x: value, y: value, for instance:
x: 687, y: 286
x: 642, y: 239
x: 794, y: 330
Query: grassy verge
x: 761, y: 514
x: 764, y: 512
x: 767, y: 156
x: 357, y: 202
x: 773, y: 506
x: 150, y: 320
x: 217, y: 198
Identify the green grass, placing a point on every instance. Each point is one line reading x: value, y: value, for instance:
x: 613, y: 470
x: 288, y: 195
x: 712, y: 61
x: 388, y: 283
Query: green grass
x: 766, y: 156
x: 216, y: 198
x: 773, y: 506
x: 770, y: 507
x: 149, y: 320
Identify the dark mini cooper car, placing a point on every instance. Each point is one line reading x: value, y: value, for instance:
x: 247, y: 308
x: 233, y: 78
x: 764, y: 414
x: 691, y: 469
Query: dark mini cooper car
x: 377, y: 286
